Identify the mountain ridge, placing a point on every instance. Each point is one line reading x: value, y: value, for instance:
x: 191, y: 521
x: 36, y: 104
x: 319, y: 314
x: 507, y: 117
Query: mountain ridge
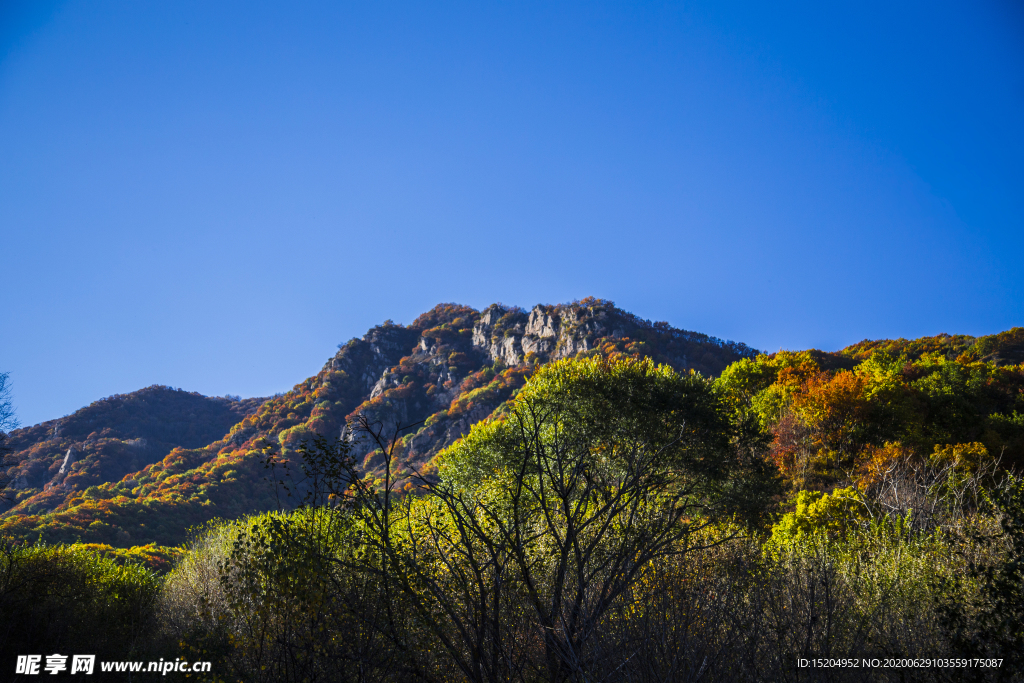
x: 451, y: 367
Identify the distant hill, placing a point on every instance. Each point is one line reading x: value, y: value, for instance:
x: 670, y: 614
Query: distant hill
x: 146, y: 466
x: 109, y: 439
x: 1005, y: 348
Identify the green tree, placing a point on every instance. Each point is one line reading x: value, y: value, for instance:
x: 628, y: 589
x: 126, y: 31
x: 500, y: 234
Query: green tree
x: 598, y: 470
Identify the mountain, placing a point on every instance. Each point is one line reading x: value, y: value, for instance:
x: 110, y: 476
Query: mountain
x: 109, y: 439
x: 144, y: 467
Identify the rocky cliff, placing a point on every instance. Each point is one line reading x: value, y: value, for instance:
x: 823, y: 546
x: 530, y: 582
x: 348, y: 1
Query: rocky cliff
x: 461, y: 364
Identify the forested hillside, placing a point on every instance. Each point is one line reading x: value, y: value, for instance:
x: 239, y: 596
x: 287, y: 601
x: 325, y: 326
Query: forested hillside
x: 142, y: 468
x: 876, y: 409
x: 109, y: 439
x: 572, y: 494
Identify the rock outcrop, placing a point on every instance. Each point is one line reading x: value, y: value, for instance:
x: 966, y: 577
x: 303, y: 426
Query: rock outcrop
x: 425, y: 373
x: 548, y: 333
x: 69, y: 460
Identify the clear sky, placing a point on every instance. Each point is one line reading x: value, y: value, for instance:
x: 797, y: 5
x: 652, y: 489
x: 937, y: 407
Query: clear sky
x: 212, y: 195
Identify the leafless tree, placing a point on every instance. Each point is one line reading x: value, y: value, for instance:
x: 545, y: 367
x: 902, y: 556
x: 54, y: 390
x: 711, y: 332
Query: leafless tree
x: 8, y: 421
x: 933, y: 493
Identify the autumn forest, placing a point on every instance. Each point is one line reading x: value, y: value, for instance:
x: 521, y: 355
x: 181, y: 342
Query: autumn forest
x: 566, y: 493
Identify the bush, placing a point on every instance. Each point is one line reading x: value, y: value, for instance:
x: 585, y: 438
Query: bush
x: 69, y: 599
x: 267, y: 598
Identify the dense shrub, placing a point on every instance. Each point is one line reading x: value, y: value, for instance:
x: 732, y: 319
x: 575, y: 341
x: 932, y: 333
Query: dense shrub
x: 69, y: 599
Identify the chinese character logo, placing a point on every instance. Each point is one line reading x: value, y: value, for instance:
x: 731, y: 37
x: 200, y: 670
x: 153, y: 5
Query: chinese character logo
x: 28, y: 664
x: 82, y: 664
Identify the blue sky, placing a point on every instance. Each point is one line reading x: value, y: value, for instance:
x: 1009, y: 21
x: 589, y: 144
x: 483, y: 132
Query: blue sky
x: 213, y: 195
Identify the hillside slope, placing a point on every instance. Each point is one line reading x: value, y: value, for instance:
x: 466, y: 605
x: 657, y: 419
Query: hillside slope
x: 1004, y: 348
x: 111, y: 438
x: 451, y: 367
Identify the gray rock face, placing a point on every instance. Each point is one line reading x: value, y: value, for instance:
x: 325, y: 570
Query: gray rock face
x: 65, y: 468
x: 372, y: 356
x: 509, y: 350
x: 547, y: 332
x: 69, y: 460
x: 480, y: 337
x: 542, y: 324
x: 386, y: 381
